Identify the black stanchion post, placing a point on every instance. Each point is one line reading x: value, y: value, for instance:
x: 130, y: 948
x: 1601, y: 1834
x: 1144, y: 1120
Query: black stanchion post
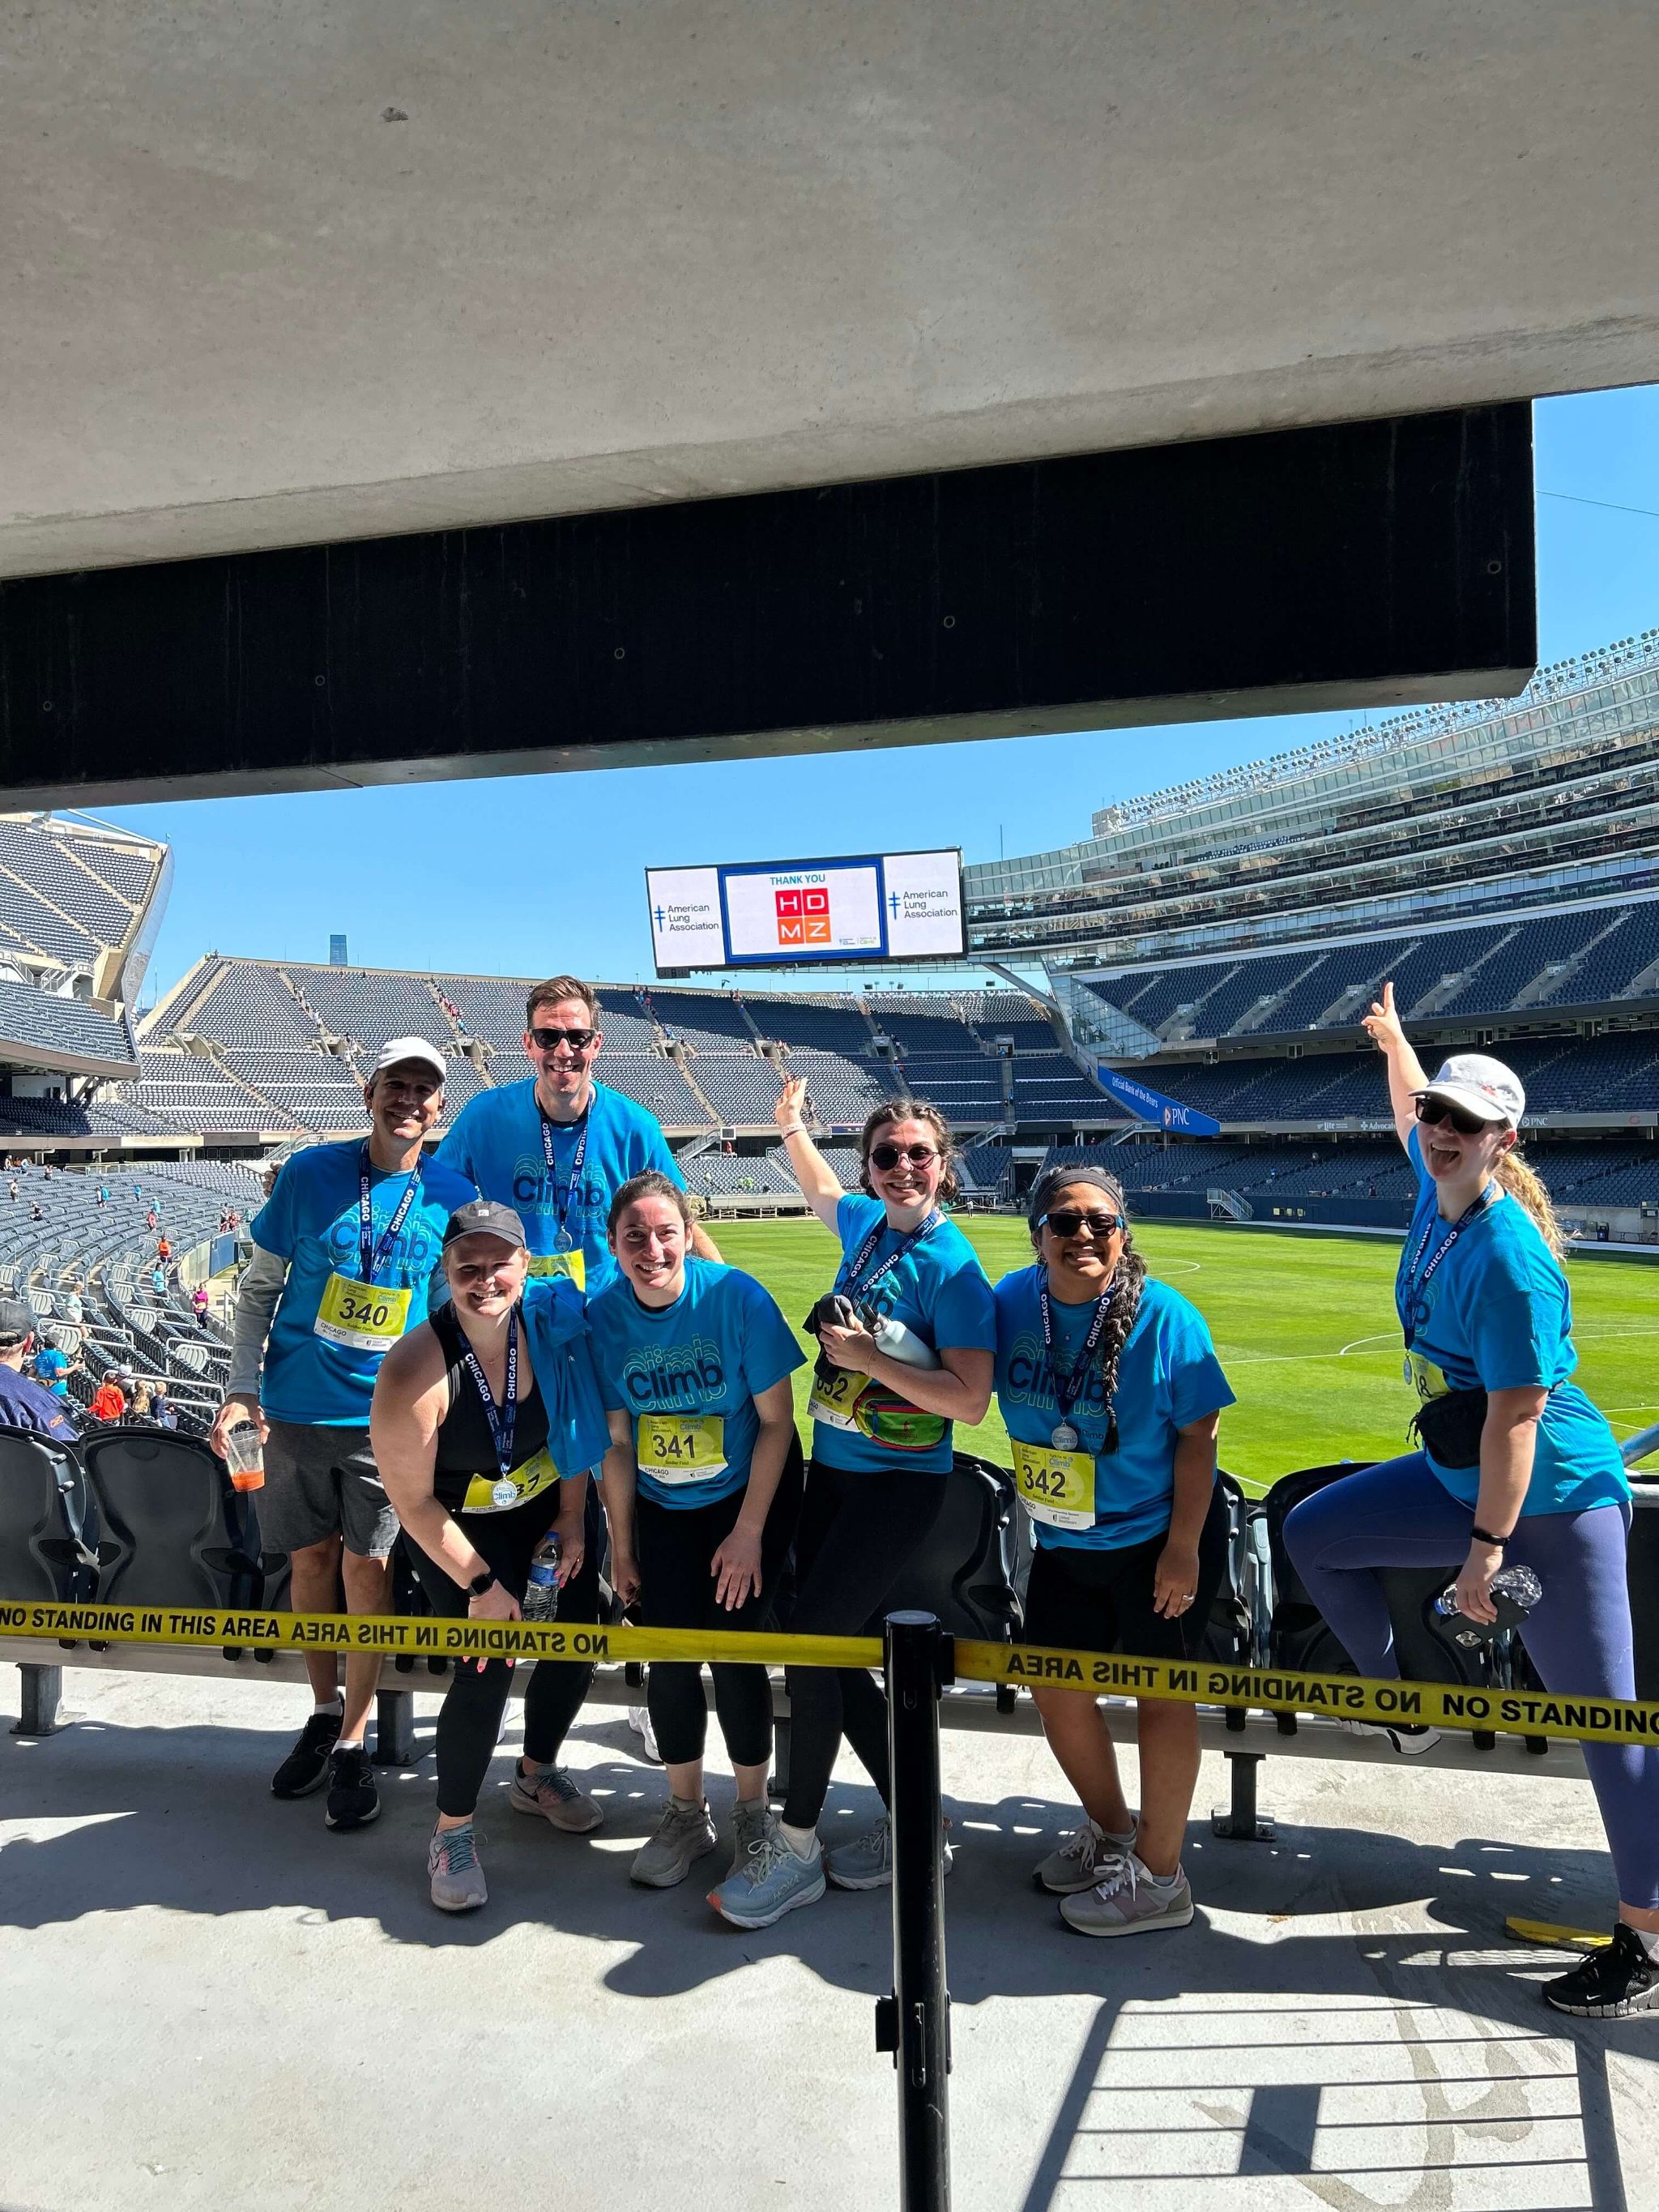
x: 915, y: 2023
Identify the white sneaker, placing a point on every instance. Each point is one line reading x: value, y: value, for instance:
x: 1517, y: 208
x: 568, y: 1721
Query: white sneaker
x: 639, y: 1719
x: 1407, y: 1741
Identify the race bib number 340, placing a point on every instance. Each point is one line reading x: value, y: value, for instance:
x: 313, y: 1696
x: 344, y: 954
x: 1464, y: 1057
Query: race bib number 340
x: 1056, y: 1486
x: 359, y: 1316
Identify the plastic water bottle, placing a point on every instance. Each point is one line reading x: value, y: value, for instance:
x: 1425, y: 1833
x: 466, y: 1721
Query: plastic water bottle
x: 903, y: 1344
x: 1513, y: 1592
x: 541, y: 1595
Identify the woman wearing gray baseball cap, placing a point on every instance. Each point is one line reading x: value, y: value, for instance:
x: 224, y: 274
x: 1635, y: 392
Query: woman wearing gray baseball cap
x: 1517, y: 1468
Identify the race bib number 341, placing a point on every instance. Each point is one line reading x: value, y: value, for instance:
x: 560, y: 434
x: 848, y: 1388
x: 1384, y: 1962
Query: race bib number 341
x: 359, y: 1316
x: 682, y: 1447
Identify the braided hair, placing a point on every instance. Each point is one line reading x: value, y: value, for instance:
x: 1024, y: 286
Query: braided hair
x: 1128, y: 1279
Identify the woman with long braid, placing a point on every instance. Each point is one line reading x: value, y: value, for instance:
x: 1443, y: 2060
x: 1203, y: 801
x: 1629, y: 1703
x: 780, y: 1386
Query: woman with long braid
x: 1112, y: 1395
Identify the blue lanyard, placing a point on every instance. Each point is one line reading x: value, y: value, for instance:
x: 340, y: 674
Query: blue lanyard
x: 1068, y: 1387
x: 852, y: 1279
x: 1412, y: 1287
x: 561, y: 1205
x: 370, y: 1253
x: 505, y: 1419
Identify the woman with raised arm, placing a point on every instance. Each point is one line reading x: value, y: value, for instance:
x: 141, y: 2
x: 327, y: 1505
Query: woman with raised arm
x: 1517, y: 1468
x: 484, y: 1422
x: 702, y: 1486
x: 906, y: 1339
x: 1112, y: 1395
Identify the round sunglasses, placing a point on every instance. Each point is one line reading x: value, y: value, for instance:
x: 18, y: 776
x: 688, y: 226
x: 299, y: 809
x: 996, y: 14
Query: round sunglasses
x: 887, y: 1157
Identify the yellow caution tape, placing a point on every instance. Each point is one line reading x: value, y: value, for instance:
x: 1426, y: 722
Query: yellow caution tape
x: 1193, y: 1682
x: 1549, y: 1937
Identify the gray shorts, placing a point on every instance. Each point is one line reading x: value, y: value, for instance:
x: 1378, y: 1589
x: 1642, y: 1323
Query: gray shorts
x: 322, y: 1482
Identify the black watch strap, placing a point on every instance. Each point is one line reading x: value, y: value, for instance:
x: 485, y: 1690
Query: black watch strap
x: 1485, y: 1536
x: 480, y: 1583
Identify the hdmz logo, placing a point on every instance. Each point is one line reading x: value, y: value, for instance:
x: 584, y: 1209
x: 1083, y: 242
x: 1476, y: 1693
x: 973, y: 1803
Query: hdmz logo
x: 802, y: 916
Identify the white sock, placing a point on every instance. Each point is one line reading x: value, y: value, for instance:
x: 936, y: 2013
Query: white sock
x: 1649, y: 1940
x: 349, y: 1743
x: 334, y: 1705
x: 1125, y: 1836
x: 1157, y: 1881
x: 804, y: 1841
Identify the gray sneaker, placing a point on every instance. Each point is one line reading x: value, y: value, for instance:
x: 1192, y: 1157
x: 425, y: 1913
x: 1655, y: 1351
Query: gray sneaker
x: 552, y: 1793
x: 1081, y: 1859
x: 1128, y: 1901
x: 749, y: 1822
x: 451, y: 1861
x: 866, y: 1862
x: 683, y: 1833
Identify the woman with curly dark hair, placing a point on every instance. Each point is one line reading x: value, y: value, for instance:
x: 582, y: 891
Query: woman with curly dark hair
x: 1112, y: 1395
x: 905, y: 1339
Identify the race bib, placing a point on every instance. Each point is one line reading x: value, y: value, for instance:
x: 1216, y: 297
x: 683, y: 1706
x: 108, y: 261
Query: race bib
x: 682, y: 1447
x: 571, y: 1264
x: 835, y: 1397
x: 1425, y: 1377
x: 528, y: 1481
x: 361, y: 1316
x: 1056, y: 1486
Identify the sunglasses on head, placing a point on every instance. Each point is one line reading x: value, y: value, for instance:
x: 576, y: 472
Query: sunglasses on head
x: 550, y: 1040
x: 1434, y: 1111
x: 887, y: 1157
x: 1062, y: 1222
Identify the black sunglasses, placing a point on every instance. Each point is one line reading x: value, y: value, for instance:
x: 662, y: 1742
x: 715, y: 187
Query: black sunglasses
x: 1434, y: 1111
x: 1064, y: 1223
x: 550, y: 1040
x: 887, y: 1157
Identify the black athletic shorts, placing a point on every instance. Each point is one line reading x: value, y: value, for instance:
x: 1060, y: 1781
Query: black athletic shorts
x: 1081, y: 1600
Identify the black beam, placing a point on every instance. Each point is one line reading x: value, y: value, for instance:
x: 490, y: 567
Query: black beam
x: 1368, y: 563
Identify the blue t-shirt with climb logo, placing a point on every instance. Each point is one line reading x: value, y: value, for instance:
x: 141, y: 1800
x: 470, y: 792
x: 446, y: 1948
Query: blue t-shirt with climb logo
x: 688, y: 1374
x: 1495, y: 1313
x: 938, y: 1290
x: 310, y: 1220
x: 1167, y: 1377
x: 497, y: 1143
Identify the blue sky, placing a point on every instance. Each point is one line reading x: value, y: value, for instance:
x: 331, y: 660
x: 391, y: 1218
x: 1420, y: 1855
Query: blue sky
x: 423, y: 877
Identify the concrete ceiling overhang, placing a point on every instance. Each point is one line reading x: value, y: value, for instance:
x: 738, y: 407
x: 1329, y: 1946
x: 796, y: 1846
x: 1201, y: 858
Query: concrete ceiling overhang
x: 299, y: 272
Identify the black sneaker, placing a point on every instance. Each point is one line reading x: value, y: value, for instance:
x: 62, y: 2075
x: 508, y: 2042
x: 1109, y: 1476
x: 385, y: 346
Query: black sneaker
x: 306, y: 1767
x: 1610, y: 1984
x: 352, y: 1799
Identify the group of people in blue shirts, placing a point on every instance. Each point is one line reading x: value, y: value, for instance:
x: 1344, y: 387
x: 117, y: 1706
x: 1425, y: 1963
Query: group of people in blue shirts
x: 585, y: 1322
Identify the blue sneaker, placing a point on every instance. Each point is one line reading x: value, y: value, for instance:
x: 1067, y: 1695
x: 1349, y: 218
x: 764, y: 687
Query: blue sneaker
x: 772, y: 1880
x: 866, y: 1861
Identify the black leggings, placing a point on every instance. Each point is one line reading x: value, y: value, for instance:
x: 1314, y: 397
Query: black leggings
x: 857, y: 1535
x: 470, y: 1721
x: 676, y: 1590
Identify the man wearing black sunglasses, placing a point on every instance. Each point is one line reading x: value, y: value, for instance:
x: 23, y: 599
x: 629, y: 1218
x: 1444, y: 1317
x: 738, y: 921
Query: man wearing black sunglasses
x: 557, y: 1147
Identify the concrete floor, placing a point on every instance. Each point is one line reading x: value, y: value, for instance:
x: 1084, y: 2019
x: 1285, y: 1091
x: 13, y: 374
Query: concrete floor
x: 214, y: 2002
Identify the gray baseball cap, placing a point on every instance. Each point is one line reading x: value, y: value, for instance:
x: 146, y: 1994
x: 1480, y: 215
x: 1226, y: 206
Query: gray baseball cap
x: 1481, y: 1086
x: 482, y: 1217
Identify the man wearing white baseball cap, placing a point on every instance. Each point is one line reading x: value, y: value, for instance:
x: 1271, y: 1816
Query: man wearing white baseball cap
x: 1518, y: 1490
x: 344, y: 1250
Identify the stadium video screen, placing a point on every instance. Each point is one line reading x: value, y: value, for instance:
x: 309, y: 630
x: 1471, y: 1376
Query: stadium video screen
x: 776, y: 914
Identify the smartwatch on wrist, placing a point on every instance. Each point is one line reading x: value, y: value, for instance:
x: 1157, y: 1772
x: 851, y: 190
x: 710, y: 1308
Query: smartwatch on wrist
x: 480, y: 1583
x: 1485, y: 1536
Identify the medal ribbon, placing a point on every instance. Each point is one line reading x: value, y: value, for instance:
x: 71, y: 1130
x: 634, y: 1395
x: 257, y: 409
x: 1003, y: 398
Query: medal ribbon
x: 561, y: 1205
x: 369, y: 1253
x: 851, y: 1279
x: 1414, y: 1286
x: 1068, y: 1387
x: 504, y: 1419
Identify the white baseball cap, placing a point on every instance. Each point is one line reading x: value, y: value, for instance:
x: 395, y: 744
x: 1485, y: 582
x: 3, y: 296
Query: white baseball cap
x: 1481, y: 1086
x: 396, y: 1050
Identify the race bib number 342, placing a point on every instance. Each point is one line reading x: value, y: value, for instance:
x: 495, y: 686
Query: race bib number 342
x: 1056, y: 1486
x: 359, y: 1316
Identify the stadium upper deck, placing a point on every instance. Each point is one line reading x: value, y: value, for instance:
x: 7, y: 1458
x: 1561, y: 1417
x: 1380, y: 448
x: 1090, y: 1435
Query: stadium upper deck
x: 80, y: 904
x: 1436, y: 816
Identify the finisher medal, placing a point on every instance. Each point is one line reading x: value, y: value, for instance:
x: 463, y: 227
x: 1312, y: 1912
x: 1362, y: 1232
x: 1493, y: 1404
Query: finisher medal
x: 564, y: 1242
x: 1064, y: 1437
x: 503, y: 1494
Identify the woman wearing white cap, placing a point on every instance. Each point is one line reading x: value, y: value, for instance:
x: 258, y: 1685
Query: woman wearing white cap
x: 1518, y: 1469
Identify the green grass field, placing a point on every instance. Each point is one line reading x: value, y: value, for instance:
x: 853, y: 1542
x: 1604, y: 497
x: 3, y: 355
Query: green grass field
x: 1304, y: 1327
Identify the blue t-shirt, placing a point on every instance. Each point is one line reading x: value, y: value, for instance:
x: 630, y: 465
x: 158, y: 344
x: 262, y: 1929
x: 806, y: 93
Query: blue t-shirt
x: 1167, y: 1377
x: 562, y: 1355
x: 497, y: 1143
x: 1496, y: 1315
x: 51, y: 1366
x: 24, y: 1404
x: 722, y: 1340
x: 937, y: 1289
x: 310, y: 1220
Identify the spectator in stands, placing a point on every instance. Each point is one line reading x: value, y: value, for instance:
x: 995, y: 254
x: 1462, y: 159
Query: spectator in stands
x: 485, y: 1422
x: 151, y: 1220
x: 158, y: 1279
x: 109, y: 1399
x: 103, y: 1193
x: 881, y: 1461
x: 139, y: 1404
x: 163, y: 1250
x: 162, y: 1411
x: 199, y: 1302
x: 35, y: 1214
x: 702, y: 1487
x: 345, y: 1251
x: 53, y: 1366
x: 25, y: 1403
x: 558, y: 1146
x: 1518, y: 1469
x: 1112, y: 1395
x: 73, y: 1309
x: 11, y: 1188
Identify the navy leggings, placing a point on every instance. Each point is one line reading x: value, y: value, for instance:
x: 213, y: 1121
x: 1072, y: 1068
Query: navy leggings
x: 1577, y: 1636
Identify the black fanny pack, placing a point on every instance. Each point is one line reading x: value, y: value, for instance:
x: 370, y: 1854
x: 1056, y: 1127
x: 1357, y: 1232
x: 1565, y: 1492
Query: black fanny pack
x: 1448, y: 1427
